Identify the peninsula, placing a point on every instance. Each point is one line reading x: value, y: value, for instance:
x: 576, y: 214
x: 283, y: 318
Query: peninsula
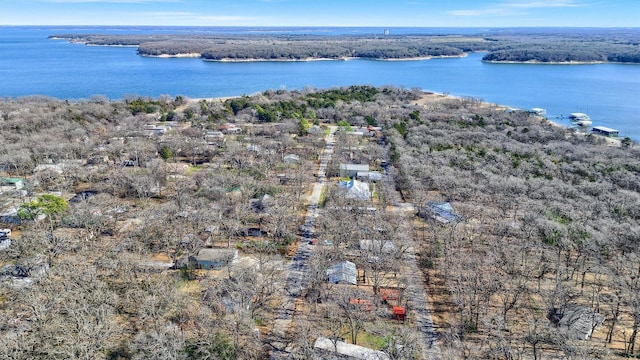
x: 545, y: 45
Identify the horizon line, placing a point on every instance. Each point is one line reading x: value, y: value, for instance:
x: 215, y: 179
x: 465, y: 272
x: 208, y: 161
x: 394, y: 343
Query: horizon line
x: 332, y: 26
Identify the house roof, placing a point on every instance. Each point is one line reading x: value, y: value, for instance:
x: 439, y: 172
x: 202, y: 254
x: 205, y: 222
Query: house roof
x: 291, y: 159
x: 217, y: 255
x: 356, y: 189
x: 349, y: 350
x: 344, y: 272
x: 443, y: 211
x: 354, y: 167
x: 604, y: 129
x: 10, y: 181
x: 378, y: 246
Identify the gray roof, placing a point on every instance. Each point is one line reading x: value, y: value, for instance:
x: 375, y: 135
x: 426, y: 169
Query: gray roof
x: 604, y: 129
x: 378, y: 246
x: 216, y: 255
x: 291, y: 159
x: 344, y: 272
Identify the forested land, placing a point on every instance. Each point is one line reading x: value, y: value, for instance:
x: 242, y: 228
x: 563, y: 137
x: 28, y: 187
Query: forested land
x: 508, y: 45
x: 548, y: 221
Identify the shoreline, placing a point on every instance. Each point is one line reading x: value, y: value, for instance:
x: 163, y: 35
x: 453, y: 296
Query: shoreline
x: 230, y: 60
x: 170, y: 56
x: 308, y: 59
x: 537, y: 62
x: 345, y: 58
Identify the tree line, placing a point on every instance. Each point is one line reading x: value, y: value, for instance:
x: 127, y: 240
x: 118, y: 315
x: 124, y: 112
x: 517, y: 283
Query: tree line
x: 554, y: 45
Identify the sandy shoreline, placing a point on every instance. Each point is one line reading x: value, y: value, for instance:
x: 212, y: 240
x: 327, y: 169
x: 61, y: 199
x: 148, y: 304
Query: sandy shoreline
x: 167, y: 56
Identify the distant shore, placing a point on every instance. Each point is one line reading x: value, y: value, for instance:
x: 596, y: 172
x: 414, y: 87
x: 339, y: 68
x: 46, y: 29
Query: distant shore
x: 198, y: 55
x: 538, y: 62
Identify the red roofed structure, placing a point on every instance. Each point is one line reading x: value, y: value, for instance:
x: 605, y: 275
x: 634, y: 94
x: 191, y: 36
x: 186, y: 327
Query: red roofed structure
x: 399, y: 313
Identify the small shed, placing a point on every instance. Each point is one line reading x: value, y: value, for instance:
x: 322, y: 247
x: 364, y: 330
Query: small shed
x: 342, y: 273
x: 215, y: 258
x: 399, y: 313
x: 352, y: 170
x: 605, y: 131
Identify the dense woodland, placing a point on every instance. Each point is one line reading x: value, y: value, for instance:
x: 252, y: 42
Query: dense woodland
x: 549, y: 221
x: 505, y: 45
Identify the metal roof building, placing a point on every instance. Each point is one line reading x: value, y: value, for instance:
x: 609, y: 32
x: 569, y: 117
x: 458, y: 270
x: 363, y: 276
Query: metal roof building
x: 342, y: 273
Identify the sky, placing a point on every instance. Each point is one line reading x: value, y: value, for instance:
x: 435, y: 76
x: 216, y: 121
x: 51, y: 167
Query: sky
x: 377, y: 13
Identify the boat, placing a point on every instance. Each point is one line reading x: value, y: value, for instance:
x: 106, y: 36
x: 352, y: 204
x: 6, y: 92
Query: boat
x: 580, y: 119
x: 575, y: 117
x: 539, y: 111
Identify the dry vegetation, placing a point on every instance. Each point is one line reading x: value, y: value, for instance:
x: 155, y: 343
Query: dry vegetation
x: 548, y: 219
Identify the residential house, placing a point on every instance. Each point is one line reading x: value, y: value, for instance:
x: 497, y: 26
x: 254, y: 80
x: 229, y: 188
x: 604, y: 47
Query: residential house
x: 605, y: 131
x: 214, y: 137
x: 151, y: 129
x: 355, y: 189
x: 230, y: 129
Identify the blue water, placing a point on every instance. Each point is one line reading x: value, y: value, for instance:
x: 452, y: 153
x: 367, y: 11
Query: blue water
x: 30, y: 64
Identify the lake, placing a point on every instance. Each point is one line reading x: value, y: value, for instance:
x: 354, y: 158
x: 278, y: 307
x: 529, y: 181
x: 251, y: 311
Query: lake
x: 31, y: 64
